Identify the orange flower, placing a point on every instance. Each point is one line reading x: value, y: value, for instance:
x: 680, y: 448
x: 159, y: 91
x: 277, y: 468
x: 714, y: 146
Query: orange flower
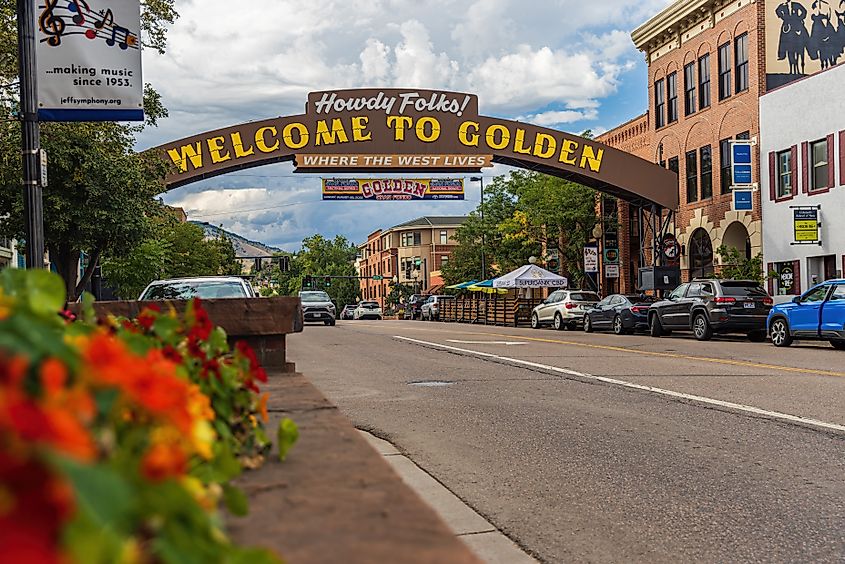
x: 53, y: 375
x: 163, y: 461
x: 262, y: 406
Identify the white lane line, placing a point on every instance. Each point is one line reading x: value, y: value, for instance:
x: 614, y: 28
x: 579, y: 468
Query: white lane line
x: 631, y: 385
x: 507, y: 343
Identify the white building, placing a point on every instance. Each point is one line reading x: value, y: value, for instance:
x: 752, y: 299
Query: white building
x: 802, y: 153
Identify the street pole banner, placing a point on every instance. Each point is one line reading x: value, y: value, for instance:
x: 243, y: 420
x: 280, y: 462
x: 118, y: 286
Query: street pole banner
x: 393, y: 189
x: 88, y: 59
x: 591, y: 259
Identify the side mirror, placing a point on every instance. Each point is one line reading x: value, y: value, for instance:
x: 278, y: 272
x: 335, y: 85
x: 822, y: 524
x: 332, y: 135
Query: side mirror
x: 796, y: 300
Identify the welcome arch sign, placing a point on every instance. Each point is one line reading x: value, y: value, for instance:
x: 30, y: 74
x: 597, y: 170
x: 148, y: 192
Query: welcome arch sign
x: 412, y: 130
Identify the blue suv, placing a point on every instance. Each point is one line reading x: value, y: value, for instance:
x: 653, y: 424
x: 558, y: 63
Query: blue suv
x: 819, y: 315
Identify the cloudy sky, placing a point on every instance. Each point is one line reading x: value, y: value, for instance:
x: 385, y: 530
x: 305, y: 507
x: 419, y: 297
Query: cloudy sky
x: 566, y: 64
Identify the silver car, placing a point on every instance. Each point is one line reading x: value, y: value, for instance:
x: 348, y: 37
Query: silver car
x: 563, y: 309
x: 430, y: 310
x: 203, y: 287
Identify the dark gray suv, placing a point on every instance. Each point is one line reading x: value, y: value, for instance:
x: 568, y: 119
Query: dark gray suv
x: 706, y: 307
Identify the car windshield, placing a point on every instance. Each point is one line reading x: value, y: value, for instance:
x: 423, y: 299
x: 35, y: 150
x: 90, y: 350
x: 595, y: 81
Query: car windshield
x: 204, y: 289
x: 314, y: 297
x: 369, y: 305
x: 743, y: 290
x: 635, y: 299
x: 583, y: 297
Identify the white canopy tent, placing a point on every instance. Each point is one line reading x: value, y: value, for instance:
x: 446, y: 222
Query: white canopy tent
x: 530, y: 276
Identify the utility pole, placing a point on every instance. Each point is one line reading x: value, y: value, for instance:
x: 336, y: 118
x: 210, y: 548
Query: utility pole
x: 480, y: 179
x: 30, y: 137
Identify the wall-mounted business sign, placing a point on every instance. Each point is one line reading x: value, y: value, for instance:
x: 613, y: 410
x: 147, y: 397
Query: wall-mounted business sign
x: 88, y: 60
x: 405, y: 130
x: 591, y: 259
x: 393, y: 189
x: 806, y: 225
x: 741, y: 163
x: 743, y: 200
x: 611, y: 271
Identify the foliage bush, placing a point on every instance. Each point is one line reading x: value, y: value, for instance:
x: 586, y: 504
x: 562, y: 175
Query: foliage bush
x: 118, y: 442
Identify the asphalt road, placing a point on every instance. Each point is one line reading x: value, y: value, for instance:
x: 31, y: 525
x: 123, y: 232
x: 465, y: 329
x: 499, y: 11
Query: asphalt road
x: 597, y: 448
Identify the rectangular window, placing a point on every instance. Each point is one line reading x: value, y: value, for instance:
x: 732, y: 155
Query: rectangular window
x: 741, y: 61
x: 818, y: 159
x: 725, y: 165
x: 784, y: 282
x: 417, y: 239
x: 659, y: 104
x: 724, y: 71
x: 706, y: 167
x: 784, y: 173
x: 673, y: 164
x: 692, y: 176
x: 689, y: 89
x: 672, y: 95
x: 444, y: 260
x: 704, y: 81
x: 444, y: 237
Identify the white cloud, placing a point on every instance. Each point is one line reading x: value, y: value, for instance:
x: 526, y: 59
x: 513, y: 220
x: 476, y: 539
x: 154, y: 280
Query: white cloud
x: 559, y: 117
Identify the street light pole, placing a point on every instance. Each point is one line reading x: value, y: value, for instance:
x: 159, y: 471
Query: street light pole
x: 30, y: 137
x: 480, y: 179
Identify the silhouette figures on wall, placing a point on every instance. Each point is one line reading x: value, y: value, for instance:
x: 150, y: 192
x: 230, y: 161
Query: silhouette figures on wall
x: 825, y: 42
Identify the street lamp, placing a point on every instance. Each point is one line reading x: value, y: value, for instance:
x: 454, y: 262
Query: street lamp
x: 480, y: 179
x: 532, y: 259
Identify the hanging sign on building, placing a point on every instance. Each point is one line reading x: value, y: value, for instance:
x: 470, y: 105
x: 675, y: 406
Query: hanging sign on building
x: 611, y: 271
x: 806, y: 225
x: 553, y: 260
x: 741, y: 163
x: 743, y: 200
x: 393, y: 189
x: 591, y: 259
x: 88, y: 60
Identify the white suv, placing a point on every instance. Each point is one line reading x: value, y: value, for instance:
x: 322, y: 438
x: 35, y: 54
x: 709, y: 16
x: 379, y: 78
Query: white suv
x: 430, y: 310
x: 563, y: 309
x: 203, y: 287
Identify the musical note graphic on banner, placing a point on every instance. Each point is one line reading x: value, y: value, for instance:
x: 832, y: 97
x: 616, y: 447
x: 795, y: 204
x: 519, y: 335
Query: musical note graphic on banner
x: 117, y: 29
x: 74, y: 6
x: 50, y: 24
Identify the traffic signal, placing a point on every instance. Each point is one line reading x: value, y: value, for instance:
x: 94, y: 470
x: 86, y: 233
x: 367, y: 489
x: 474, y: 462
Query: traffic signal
x: 328, y: 281
x: 306, y: 282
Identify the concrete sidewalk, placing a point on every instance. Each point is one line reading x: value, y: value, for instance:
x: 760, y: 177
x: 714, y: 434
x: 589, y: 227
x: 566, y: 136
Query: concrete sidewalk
x: 484, y: 539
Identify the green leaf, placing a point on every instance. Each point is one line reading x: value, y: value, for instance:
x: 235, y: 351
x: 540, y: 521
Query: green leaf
x: 100, y: 491
x: 88, y: 313
x: 286, y: 436
x: 235, y: 500
x: 41, y: 291
x: 88, y: 542
x: 251, y: 556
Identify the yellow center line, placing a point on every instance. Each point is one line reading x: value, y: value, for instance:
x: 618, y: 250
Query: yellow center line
x: 725, y: 361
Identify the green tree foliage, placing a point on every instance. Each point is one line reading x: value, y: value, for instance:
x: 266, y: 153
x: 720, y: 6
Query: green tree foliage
x: 101, y: 193
x: 175, y: 250
x: 523, y: 213
x: 736, y: 266
x: 319, y: 257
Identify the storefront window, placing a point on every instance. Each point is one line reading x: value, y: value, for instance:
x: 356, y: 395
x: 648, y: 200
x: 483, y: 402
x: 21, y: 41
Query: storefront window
x: 784, y: 279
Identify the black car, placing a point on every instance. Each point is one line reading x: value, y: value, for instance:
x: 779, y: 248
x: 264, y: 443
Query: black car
x: 619, y: 313
x: 706, y: 307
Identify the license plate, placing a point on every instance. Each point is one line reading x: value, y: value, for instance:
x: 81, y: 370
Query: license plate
x: 749, y: 305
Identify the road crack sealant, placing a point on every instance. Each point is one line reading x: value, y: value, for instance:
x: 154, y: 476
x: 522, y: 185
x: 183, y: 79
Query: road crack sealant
x: 786, y: 419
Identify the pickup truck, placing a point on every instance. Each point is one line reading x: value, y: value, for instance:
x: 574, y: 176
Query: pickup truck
x: 818, y: 314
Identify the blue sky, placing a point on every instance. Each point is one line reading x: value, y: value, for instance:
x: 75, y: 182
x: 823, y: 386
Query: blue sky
x: 565, y: 64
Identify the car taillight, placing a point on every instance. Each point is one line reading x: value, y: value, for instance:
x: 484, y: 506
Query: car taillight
x: 570, y: 305
x: 768, y: 301
x: 639, y: 309
x: 725, y: 300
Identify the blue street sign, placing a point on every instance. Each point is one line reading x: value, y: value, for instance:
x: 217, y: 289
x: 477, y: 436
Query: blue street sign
x: 741, y: 162
x: 742, y: 200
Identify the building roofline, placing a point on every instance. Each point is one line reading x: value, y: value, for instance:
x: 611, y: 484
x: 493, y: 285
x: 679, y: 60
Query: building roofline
x: 666, y: 20
x: 622, y: 125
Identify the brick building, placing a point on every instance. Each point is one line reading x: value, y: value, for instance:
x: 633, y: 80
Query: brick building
x: 413, y: 252
x: 706, y: 73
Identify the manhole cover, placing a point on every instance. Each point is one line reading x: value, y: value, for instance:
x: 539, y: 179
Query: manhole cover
x: 431, y: 383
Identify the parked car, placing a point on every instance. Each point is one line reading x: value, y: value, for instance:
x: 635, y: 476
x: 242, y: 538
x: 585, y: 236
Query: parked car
x: 430, y: 310
x: 203, y: 287
x: 348, y: 311
x: 367, y: 310
x: 708, y: 306
x: 317, y: 306
x: 563, y: 309
x: 817, y: 315
x: 413, y: 307
x: 619, y: 313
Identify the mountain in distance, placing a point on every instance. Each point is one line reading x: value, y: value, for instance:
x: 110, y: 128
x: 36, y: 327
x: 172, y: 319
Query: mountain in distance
x: 244, y: 248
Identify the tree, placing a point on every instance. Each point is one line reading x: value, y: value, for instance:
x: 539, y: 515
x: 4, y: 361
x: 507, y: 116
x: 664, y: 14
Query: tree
x: 101, y: 192
x: 174, y: 250
x: 736, y: 266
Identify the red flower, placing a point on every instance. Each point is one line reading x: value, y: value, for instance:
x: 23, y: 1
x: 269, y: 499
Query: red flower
x: 164, y: 461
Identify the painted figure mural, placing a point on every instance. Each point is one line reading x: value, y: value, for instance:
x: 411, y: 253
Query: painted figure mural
x: 803, y: 38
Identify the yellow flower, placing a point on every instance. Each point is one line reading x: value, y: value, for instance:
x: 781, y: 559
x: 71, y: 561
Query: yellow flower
x: 202, y: 437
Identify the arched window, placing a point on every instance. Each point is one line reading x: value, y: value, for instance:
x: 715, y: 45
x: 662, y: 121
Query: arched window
x: 700, y: 254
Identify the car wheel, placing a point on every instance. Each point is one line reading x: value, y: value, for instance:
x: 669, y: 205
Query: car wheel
x: 780, y: 333
x: 559, y: 322
x: 618, y: 328
x: 535, y: 321
x: 701, y: 328
x: 838, y: 345
x: 757, y: 336
x: 655, y: 328
x: 588, y: 324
